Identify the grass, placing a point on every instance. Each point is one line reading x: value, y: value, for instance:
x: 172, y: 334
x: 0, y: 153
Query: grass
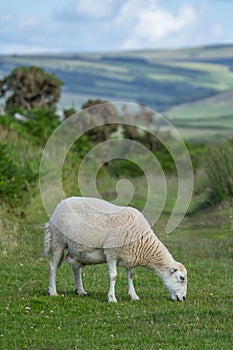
x: 219, y: 171
x: 214, y: 107
x: 32, y: 320
x: 197, y: 135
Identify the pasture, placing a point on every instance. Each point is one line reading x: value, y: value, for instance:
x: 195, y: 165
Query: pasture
x: 30, y: 319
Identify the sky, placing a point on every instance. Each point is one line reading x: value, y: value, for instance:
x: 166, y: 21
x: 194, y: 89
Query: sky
x: 52, y: 26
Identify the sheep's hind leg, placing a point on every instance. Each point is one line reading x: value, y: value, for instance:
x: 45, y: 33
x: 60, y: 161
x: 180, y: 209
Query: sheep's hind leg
x: 112, y: 275
x: 78, y: 284
x: 57, y: 258
x: 131, y: 292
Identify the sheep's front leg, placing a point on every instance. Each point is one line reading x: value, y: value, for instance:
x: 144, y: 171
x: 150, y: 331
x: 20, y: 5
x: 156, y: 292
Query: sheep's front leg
x: 78, y: 284
x: 131, y: 292
x: 112, y: 275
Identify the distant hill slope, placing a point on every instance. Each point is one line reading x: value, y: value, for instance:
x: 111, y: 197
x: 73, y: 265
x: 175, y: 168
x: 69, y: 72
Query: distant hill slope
x: 214, y: 112
x: 160, y: 79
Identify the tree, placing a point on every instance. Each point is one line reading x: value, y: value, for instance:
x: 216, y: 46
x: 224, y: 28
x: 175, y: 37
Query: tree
x: 105, y: 112
x: 30, y: 87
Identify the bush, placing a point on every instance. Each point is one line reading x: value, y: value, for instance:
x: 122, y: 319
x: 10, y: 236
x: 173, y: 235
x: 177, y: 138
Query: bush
x: 123, y: 167
x: 196, y: 152
x: 41, y: 124
x: 15, y: 176
x: 219, y: 170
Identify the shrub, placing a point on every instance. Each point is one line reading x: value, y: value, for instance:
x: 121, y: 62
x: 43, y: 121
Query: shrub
x: 219, y: 170
x: 196, y: 151
x: 15, y: 176
x: 123, y: 167
x: 41, y: 124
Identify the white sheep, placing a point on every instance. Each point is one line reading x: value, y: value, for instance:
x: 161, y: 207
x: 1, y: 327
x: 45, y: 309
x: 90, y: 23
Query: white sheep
x: 95, y: 231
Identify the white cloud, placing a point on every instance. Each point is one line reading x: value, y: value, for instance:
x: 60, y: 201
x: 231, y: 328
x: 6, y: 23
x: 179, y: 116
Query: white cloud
x: 97, y: 25
x: 153, y: 25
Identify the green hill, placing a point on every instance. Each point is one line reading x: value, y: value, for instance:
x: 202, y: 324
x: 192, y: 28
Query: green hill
x: 214, y: 114
x: 192, y: 86
x: 160, y: 79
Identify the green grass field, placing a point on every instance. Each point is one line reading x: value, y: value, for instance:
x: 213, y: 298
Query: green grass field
x: 30, y: 319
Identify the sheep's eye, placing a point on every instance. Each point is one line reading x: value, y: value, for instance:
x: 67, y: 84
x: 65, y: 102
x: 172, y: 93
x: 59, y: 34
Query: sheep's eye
x: 182, y: 279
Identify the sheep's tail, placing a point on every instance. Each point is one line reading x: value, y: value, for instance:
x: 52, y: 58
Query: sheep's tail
x: 47, y: 239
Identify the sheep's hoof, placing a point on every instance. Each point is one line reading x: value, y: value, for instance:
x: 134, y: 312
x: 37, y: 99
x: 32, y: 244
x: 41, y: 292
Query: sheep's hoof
x: 112, y: 299
x: 134, y: 297
x: 52, y: 294
x: 81, y: 293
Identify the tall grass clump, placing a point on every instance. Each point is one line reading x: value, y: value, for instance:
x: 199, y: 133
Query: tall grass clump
x: 219, y: 171
x: 17, y: 175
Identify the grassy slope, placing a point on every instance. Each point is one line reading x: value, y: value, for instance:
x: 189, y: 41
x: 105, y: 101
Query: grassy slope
x: 210, y: 117
x: 217, y: 109
x: 32, y: 320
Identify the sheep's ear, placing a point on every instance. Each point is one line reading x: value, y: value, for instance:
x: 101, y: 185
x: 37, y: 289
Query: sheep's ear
x: 173, y: 269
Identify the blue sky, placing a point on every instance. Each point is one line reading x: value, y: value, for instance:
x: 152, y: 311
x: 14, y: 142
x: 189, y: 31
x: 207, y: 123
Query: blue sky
x: 28, y: 26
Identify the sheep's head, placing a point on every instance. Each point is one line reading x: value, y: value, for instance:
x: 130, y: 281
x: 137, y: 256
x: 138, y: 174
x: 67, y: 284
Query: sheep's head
x: 175, y: 280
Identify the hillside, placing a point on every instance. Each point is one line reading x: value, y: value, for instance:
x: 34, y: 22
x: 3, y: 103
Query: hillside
x: 214, y: 113
x: 160, y: 79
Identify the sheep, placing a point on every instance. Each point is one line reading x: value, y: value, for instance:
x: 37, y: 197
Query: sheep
x: 95, y: 231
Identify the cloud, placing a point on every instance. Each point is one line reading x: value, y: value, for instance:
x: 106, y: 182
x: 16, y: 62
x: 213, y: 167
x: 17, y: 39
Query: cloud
x: 27, y: 34
x: 103, y: 25
x: 153, y: 25
x: 129, y: 23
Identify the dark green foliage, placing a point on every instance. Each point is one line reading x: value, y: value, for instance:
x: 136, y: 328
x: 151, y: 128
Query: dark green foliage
x: 30, y: 87
x: 20, y: 152
x: 41, y: 124
x: 165, y: 159
x: 196, y: 152
x: 91, y: 103
x: 69, y: 111
x: 219, y: 169
x: 123, y: 167
x: 12, y: 125
x: 76, y: 153
x: 82, y: 146
x: 16, y: 175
